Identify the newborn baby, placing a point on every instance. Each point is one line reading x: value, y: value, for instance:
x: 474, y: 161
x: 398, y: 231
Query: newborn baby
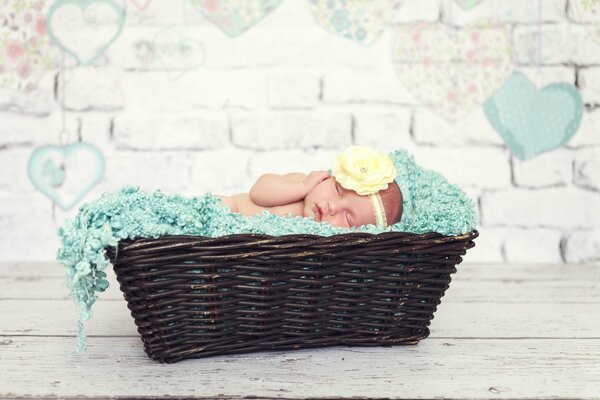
x: 320, y: 196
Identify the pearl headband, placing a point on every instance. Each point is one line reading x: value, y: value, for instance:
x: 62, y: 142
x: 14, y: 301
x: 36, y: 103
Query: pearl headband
x: 380, y: 216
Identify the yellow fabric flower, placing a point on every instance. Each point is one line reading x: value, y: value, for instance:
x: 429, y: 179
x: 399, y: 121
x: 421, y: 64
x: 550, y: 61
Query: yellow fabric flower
x: 363, y: 169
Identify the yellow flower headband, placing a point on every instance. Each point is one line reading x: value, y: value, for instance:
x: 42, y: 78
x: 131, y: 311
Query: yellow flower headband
x: 366, y: 171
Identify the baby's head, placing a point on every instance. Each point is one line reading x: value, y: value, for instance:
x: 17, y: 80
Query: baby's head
x: 361, y: 191
x: 330, y: 202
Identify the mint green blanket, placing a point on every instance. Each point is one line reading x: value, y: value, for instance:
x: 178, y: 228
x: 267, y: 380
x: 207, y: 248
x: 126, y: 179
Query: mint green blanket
x: 431, y: 204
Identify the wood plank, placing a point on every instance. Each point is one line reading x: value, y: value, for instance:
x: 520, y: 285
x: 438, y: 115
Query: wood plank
x: 477, y: 320
x: 473, y: 285
x: 435, y: 368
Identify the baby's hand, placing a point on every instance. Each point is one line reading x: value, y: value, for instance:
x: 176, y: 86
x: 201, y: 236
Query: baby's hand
x: 314, y: 178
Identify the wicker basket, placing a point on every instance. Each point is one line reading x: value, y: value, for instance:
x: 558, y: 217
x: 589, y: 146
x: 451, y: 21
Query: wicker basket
x: 194, y: 296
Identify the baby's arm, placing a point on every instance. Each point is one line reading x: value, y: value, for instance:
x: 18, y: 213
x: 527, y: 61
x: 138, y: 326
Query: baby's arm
x: 277, y: 190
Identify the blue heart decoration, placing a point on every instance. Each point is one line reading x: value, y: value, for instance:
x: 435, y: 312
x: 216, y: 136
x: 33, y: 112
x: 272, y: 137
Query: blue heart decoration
x: 45, y: 176
x: 83, y: 6
x: 533, y: 121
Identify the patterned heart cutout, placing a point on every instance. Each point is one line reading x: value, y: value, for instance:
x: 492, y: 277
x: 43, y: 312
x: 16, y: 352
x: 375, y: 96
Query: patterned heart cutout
x: 234, y: 17
x: 452, y: 72
x: 468, y: 4
x: 359, y: 20
x: 65, y: 174
x: 85, y: 29
x: 533, y: 121
x: 177, y: 54
x: 27, y: 52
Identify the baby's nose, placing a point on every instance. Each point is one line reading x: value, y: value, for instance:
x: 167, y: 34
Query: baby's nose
x: 332, y: 208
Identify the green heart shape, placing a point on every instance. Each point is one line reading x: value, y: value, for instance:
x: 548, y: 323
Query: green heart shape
x: 468, y: 4
x: 180, y: 44
x: 83, y: 4
x: 533, y: 121
x: 40, y: 165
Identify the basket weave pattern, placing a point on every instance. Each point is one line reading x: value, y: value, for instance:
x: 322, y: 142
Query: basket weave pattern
x: 195, y: 296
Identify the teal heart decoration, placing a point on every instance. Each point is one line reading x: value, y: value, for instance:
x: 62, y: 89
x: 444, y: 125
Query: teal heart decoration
x: 176, y: 53
x: 533, y: 121
x: 89, y: 16
x: 468, y: 4
x: 47, y: 177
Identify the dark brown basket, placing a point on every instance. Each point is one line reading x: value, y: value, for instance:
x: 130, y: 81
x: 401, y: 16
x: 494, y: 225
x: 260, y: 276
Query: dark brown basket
x: 194, y: 296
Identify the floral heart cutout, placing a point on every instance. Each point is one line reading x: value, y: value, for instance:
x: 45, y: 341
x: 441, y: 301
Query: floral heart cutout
x: 452, y: 71
x: 234, y: 17
x: 359, y: 20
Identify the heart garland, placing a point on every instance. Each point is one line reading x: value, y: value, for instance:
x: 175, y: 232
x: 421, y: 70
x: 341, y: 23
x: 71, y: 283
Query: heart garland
x: 176, y: 53
x: 234, y: 17
x: 468, y: 4
x: 140, y: 5
x: 97, y: 23
x: 533, y: 121
x: 358, y: 20
x: 63, y: 173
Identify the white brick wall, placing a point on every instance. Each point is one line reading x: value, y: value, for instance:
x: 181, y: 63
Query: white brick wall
x: 287, y: 96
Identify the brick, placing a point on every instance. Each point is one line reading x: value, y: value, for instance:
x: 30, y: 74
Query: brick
x: 562, y: 43
x: 92, y: 89
x: 163, y: 13
x: 165, y: 170
x: 293, y: 160
x: 302, y: 46
x: 547, y: 169
x: 519, y: 248
x: 291, y: 129
x: 431, y: 129
x: 154, y: 91
x: 223, y: 171
x: 587, y: 133
x: 383, y: 128
x: 587, y: 169
x: 20, y: 129
x: 563, y: 208
x: 293, y: 89
x: 206, y: 130
x: 362, y: 86
x: 424, y: 10
x: 38, y: 102
x: 512, y: 11
x: 483, y: 167
x: 488, y: 247
x: 582, y: 246
x: 575, y: 13
x: 589, y: 84
x: 14, y: 177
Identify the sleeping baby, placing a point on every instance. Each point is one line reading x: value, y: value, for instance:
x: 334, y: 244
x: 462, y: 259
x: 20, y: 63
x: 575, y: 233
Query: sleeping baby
x: 360, y: 190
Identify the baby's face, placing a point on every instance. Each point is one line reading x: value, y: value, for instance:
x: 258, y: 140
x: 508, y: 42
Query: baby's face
x: 330, y: 202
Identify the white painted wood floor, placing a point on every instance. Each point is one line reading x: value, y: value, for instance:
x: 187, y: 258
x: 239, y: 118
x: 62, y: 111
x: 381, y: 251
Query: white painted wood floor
x: 501, y: 332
